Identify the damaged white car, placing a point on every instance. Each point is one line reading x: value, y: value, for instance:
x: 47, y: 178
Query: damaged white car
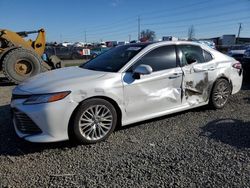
x: 126, y: 84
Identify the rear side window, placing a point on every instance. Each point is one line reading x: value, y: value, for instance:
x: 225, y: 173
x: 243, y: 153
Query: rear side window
x: 207, y: 56
x: 191, y: 54
x: 159, y: 59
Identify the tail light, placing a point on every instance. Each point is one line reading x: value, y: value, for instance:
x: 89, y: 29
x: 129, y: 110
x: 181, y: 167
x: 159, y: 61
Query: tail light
x: 237, y: 65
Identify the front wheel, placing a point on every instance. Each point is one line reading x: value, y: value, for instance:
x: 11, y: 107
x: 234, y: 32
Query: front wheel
x: 94, y: 121
x: 220, y: 93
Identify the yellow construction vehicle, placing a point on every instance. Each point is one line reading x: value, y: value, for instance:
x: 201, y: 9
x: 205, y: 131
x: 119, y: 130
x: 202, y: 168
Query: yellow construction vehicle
x: 21, y: 59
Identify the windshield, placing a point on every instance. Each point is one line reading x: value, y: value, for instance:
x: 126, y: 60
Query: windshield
x: 113, y: 60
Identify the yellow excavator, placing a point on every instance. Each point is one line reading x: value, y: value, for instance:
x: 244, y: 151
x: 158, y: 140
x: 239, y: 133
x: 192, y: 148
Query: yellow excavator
x: 20, y: 58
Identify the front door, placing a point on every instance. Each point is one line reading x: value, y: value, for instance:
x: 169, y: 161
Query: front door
x: 157, y: 92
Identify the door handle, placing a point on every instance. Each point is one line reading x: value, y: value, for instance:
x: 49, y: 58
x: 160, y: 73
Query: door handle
x: 211, y: 69
x: 175, y: 75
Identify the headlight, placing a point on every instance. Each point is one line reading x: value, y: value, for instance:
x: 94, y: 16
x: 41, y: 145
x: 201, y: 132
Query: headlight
x: 45, y: 98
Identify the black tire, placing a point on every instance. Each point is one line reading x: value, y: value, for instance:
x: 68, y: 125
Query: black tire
x: 80, y: 133
x: 220, y: 93
x: 20, y: 64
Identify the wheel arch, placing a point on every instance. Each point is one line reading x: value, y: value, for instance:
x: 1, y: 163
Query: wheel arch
x: 212, y: 86
x: 110, y: 100
x: 218, y: 78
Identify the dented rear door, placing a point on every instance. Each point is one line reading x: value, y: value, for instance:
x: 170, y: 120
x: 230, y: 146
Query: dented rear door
x: 195, y: 85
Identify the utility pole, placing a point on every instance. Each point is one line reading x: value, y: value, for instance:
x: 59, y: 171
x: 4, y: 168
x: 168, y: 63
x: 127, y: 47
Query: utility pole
x: 85, y: 36
x: 129, y: 37
x: 239, y: 30
x: 61, y: 38
x: 139, y: 28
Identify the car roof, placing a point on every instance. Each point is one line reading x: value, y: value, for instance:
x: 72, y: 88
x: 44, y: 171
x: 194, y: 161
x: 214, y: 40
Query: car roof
x: 144, y: 44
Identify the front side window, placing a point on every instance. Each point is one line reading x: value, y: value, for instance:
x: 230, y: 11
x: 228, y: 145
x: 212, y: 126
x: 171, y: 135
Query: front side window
x: 159, y: 59
x: 191, y: 54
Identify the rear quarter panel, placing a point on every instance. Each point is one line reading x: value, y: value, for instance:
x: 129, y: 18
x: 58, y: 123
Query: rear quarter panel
x: 224, y: 69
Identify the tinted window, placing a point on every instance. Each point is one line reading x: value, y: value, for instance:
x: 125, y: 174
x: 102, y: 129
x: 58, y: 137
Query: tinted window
x: 114, y: 59
x: 191, y: 53
x: 207, y: 56
x: 159, y: 59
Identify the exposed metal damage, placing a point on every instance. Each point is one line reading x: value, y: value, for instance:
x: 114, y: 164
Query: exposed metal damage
x: 196, y: 88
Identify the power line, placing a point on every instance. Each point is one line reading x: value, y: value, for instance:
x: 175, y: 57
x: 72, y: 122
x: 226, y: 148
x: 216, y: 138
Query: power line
x: 168, y: 25
x: 128, y: 29
x: 194, y: 9
x: 99, y: 29
x: 197, y: 18
x: 131, y: 18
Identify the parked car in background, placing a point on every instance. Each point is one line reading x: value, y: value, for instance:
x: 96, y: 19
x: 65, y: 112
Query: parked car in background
x: 134, y: 41
x: 127, y: 84
x: 209, y: 43
x: 63, y: 52
x: 66, y: 44
x: 122, y: 43
x: 111, y: 44
x: 79, y: 44
x: 97, y: 51
x: 238, y: 51
x: 246, y: 63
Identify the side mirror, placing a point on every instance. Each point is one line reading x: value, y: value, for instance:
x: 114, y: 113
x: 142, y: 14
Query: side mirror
x: 142, y: 70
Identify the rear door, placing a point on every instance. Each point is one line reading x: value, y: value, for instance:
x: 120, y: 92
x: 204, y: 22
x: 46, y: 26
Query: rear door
x: 158, y: 91
x: 196, y: 72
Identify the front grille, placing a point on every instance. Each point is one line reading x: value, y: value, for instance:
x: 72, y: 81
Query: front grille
x: 14, y: 96
x: 24, y: 124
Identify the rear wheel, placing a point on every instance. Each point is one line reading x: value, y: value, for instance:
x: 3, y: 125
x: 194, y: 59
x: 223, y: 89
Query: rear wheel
x: 20, y: 64
x: 94, y: 121
x: 220, y: 93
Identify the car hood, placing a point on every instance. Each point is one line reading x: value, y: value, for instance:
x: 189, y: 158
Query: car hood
x: 57, y: 80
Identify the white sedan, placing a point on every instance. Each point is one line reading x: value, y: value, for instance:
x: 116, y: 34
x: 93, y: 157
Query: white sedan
x: 124, y: 85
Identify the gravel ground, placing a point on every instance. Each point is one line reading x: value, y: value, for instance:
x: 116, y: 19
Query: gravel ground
x: 196, y: 148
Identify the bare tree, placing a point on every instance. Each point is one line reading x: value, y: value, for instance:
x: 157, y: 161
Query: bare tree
x: 191, y: 33
x: 147, y: 35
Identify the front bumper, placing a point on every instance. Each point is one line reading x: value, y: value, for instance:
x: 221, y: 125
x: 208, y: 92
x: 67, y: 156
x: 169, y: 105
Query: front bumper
x: 52, y: 119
